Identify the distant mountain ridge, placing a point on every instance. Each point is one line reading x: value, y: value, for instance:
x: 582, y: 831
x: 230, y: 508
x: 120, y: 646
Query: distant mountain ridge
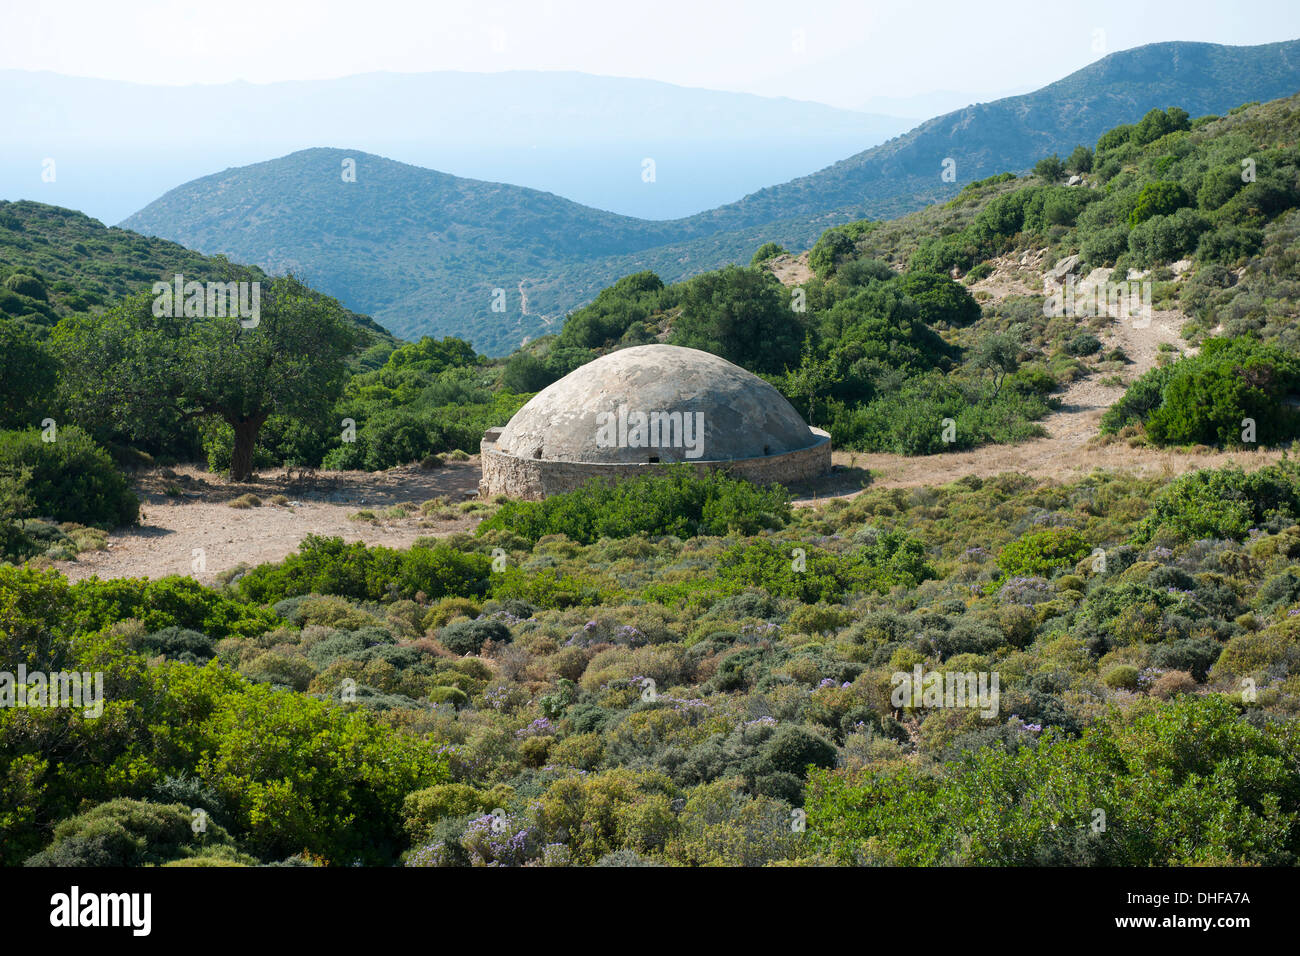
x: 424, y: 252
x: 575, y: 134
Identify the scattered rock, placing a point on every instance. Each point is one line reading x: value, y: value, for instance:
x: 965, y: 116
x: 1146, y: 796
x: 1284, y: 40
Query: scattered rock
x: 1181, y: 266
x: 1093, y: 279
x: 1063, y: 268
x: 1074, y: 180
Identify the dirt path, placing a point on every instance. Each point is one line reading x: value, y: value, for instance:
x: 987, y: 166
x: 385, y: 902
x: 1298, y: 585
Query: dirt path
x: 1060, y: 457
x: 1086, y: 400
x: 1070, y: 450
x: 198, y: 515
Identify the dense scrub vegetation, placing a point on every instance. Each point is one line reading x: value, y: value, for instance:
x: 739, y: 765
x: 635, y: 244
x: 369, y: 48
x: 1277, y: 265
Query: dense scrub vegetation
x: 678, y: 504
x: 59, y: 493
x: 1222, y: 193
x: 657, y: 694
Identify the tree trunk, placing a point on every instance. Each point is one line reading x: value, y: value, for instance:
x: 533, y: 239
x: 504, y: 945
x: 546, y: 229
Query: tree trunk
x: 241, y: 458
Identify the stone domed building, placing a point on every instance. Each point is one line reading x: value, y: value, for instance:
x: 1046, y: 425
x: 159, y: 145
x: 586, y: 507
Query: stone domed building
x: 632, y: 411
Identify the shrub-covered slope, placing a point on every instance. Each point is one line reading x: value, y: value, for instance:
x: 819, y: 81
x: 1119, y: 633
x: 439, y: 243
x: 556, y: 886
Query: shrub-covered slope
x: 728, y: 694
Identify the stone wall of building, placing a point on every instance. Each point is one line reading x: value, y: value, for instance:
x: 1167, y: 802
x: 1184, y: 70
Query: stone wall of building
x: 537, y: 478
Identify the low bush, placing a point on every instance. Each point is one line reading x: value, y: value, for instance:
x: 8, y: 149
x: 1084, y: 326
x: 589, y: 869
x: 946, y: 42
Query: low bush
x: 128, y: 832
x: 70, y: 478
x: 468, y: 637
x: 1223, y: 503
x: 1234, y: 392
x: 676, y: 503
x: 1039, y: 553
x: 329, y: 566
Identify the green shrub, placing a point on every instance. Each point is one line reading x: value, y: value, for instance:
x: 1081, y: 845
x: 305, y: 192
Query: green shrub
x: 1080, y: 160
x: 468, y: 637
x: 741, y: 314
x: 449, y: 695
x: 604, y: 321
x: 329, y: 566
x: 28, y: 374
x: 526, y: 373
x: 833, y: 246
x: 910, y: 419
x: 1034, y: 805
x: 1166, y: 238
x: 939, y: 300
x: 278, y: 760
x: 172, y: 602
x: 422, y: 809
x: 1205, y: 397
x: 1218, y: 186
x: 28, y: 285
x: 677, y: 502
x: 71, y: 478
x: 1039, y: 553
x: 889, y: 559
x: 1050, y: 168
x: 1121, y: 677
x: 127, y: 832
x: 178, y: 643
x: 1223, y: 503
x: 1083, y: 343
x: 768, y: 250
x: 1157, y: 199
x: 1031, y: 380
x: 551, y: 588
x: 793, y: 750
x: 1102, y: 247
x: 1228, y: 244
x: 1138, y: 401
x: 861, y: 272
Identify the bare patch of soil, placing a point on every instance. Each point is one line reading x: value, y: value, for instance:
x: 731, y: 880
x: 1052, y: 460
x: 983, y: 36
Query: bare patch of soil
x: 187, y: 508
x: 791, y: 270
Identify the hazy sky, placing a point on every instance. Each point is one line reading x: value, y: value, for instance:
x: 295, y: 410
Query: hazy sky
x: 841, y: 53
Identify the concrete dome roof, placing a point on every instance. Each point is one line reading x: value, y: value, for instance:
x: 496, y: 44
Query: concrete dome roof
x: 573, y: 419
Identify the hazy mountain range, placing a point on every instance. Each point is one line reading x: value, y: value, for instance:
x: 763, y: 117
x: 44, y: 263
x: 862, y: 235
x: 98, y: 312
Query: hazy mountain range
x: 423, y: 251
x: 118, y: 145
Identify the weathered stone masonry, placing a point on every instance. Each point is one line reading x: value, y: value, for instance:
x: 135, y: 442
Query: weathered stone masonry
x: 535, y: 478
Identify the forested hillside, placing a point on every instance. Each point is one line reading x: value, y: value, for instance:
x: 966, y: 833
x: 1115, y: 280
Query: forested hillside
x: 80, y: 265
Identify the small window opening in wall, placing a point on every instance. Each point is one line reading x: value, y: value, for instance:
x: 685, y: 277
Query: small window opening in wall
x: 654, y: 459
x: 538, y: 453
x: 767, y: 449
